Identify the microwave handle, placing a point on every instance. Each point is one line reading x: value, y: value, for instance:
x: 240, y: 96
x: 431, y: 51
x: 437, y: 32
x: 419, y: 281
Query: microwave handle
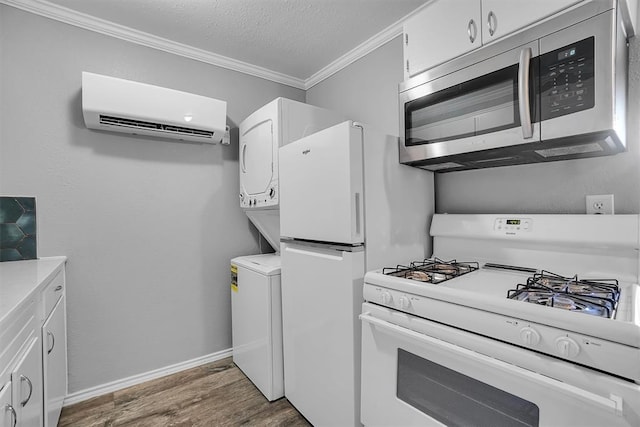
x: 523, y: 93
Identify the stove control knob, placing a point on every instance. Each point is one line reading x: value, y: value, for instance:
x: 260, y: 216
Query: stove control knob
x: 403, y: 302
x: 385, y: 297
x: 567, y: 347
x: 529, y: 336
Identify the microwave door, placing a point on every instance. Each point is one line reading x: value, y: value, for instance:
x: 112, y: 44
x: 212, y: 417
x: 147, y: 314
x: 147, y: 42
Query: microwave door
x: 491, y: 104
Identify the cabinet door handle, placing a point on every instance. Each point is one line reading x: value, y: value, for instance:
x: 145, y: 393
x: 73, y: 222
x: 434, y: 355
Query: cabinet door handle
x: 25, y: 378
x: 492, y: 23
x: 53, y: 341
x: 11, y: 409
x: 472, y: 30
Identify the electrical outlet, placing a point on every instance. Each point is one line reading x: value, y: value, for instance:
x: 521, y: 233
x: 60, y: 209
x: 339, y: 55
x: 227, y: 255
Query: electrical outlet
x: 601, y: 204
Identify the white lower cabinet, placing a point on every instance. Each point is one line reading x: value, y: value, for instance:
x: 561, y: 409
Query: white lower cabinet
x: 26, y: 380
x: 54, y: 356
x: 7, y: 414
x: 33, y: 354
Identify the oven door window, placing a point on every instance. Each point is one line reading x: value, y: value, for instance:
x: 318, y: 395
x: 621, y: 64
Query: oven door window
x: 455, y: 399
x: 482, y: 105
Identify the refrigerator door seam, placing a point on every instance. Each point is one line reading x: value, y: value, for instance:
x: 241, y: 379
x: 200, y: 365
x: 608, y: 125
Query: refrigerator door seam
x: 324, y: 245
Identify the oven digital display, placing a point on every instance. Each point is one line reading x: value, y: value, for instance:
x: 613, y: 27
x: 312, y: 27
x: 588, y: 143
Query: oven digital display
x: 513, y: 222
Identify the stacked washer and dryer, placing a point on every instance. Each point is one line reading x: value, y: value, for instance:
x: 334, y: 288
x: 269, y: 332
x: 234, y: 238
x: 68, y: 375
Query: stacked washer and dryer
x: 255, y: 285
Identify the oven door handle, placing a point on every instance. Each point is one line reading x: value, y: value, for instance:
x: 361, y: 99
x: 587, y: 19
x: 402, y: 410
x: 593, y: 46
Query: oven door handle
x: 614, y: 404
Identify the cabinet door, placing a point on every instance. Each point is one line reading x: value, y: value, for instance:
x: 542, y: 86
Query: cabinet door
x: 7, y: 412
x: 26, y: 380
x: 441, y: 31
x: 54, y: 353
x: 502, y: 17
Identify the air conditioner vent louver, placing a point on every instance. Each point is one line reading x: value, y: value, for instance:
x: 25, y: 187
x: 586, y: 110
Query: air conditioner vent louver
x: 124, y: 106
x: 139, y: 124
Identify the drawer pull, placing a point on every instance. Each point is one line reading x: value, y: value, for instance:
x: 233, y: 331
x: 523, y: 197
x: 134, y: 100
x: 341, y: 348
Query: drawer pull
x: 58, y: 288
x: 53, y: 341
x: 25, y: 378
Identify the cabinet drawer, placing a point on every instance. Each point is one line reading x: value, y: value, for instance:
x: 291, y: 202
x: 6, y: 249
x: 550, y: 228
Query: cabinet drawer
x: 14, y: 334
x: 52, y: 293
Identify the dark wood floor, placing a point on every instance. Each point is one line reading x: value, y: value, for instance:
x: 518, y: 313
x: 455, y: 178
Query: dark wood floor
x: 216, y: 394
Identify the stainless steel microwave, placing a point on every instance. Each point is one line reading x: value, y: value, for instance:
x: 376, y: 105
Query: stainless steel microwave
x: 552, y: 92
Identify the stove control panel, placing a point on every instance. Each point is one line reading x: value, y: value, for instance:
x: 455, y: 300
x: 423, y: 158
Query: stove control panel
x: 512, y: 225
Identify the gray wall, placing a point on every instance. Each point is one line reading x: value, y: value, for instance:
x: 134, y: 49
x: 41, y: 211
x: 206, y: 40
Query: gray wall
x: 367, y: 91
x: 149, y: 226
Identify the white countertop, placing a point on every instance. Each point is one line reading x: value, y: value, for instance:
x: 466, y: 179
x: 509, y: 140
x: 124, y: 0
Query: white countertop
x: 21, y: 279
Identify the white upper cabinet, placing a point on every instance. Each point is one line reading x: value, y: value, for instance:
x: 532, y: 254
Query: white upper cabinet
x: 502, y: 17
x: 445, y: 29
x: 442, y: 30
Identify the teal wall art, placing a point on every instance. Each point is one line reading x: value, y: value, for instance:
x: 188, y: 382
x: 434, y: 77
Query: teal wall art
x: 17, y: 228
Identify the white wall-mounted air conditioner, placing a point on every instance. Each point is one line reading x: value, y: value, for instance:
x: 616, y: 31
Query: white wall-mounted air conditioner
x: 119, y: 105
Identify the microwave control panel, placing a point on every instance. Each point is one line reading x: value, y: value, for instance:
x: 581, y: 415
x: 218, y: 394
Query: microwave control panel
x: 567, y: 83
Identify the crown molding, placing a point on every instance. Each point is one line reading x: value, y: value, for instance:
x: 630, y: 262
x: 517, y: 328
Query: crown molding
x: 354, y: 54
x: 380, y: 39
x: 81, y: 20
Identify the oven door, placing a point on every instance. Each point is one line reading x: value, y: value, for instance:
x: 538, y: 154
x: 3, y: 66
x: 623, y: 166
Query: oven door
x: 491, y: 104
x: 416, y: 373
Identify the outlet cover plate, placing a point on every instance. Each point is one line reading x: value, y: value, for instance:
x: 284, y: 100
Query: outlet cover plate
x: 600, y: 204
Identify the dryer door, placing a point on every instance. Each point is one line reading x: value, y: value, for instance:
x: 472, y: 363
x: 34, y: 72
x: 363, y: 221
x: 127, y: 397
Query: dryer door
x: 257, y: 165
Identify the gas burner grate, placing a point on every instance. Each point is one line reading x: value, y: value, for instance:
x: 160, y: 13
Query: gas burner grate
x: 432, y: 270
x: 597, y: 297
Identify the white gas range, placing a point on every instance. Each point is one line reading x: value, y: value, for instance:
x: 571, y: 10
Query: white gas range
x: 518, y: 319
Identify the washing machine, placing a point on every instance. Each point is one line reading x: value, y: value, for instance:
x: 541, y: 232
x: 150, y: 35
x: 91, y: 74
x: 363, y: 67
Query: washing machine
x: 256, y: 315
x: 272, y: 126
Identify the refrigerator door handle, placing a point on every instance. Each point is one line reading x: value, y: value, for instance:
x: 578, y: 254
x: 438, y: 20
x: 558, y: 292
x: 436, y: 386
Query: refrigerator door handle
x: 358, y: 214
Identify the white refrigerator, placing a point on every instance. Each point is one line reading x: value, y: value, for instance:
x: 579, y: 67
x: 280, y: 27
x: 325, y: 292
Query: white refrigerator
x: 347, y: 206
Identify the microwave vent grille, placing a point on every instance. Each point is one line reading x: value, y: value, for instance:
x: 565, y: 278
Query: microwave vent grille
x: 570, y: 150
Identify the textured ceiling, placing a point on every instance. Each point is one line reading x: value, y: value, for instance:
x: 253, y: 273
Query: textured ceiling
x: 294, y: 37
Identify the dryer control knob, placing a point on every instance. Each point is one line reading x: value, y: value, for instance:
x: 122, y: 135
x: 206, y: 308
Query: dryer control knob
x: 529, y: 336
x: 272, y: 192
x: 567, y: 347
x: 385, y: 297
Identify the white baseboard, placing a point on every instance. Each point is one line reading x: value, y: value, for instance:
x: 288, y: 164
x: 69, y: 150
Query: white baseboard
x: 99, y: 390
